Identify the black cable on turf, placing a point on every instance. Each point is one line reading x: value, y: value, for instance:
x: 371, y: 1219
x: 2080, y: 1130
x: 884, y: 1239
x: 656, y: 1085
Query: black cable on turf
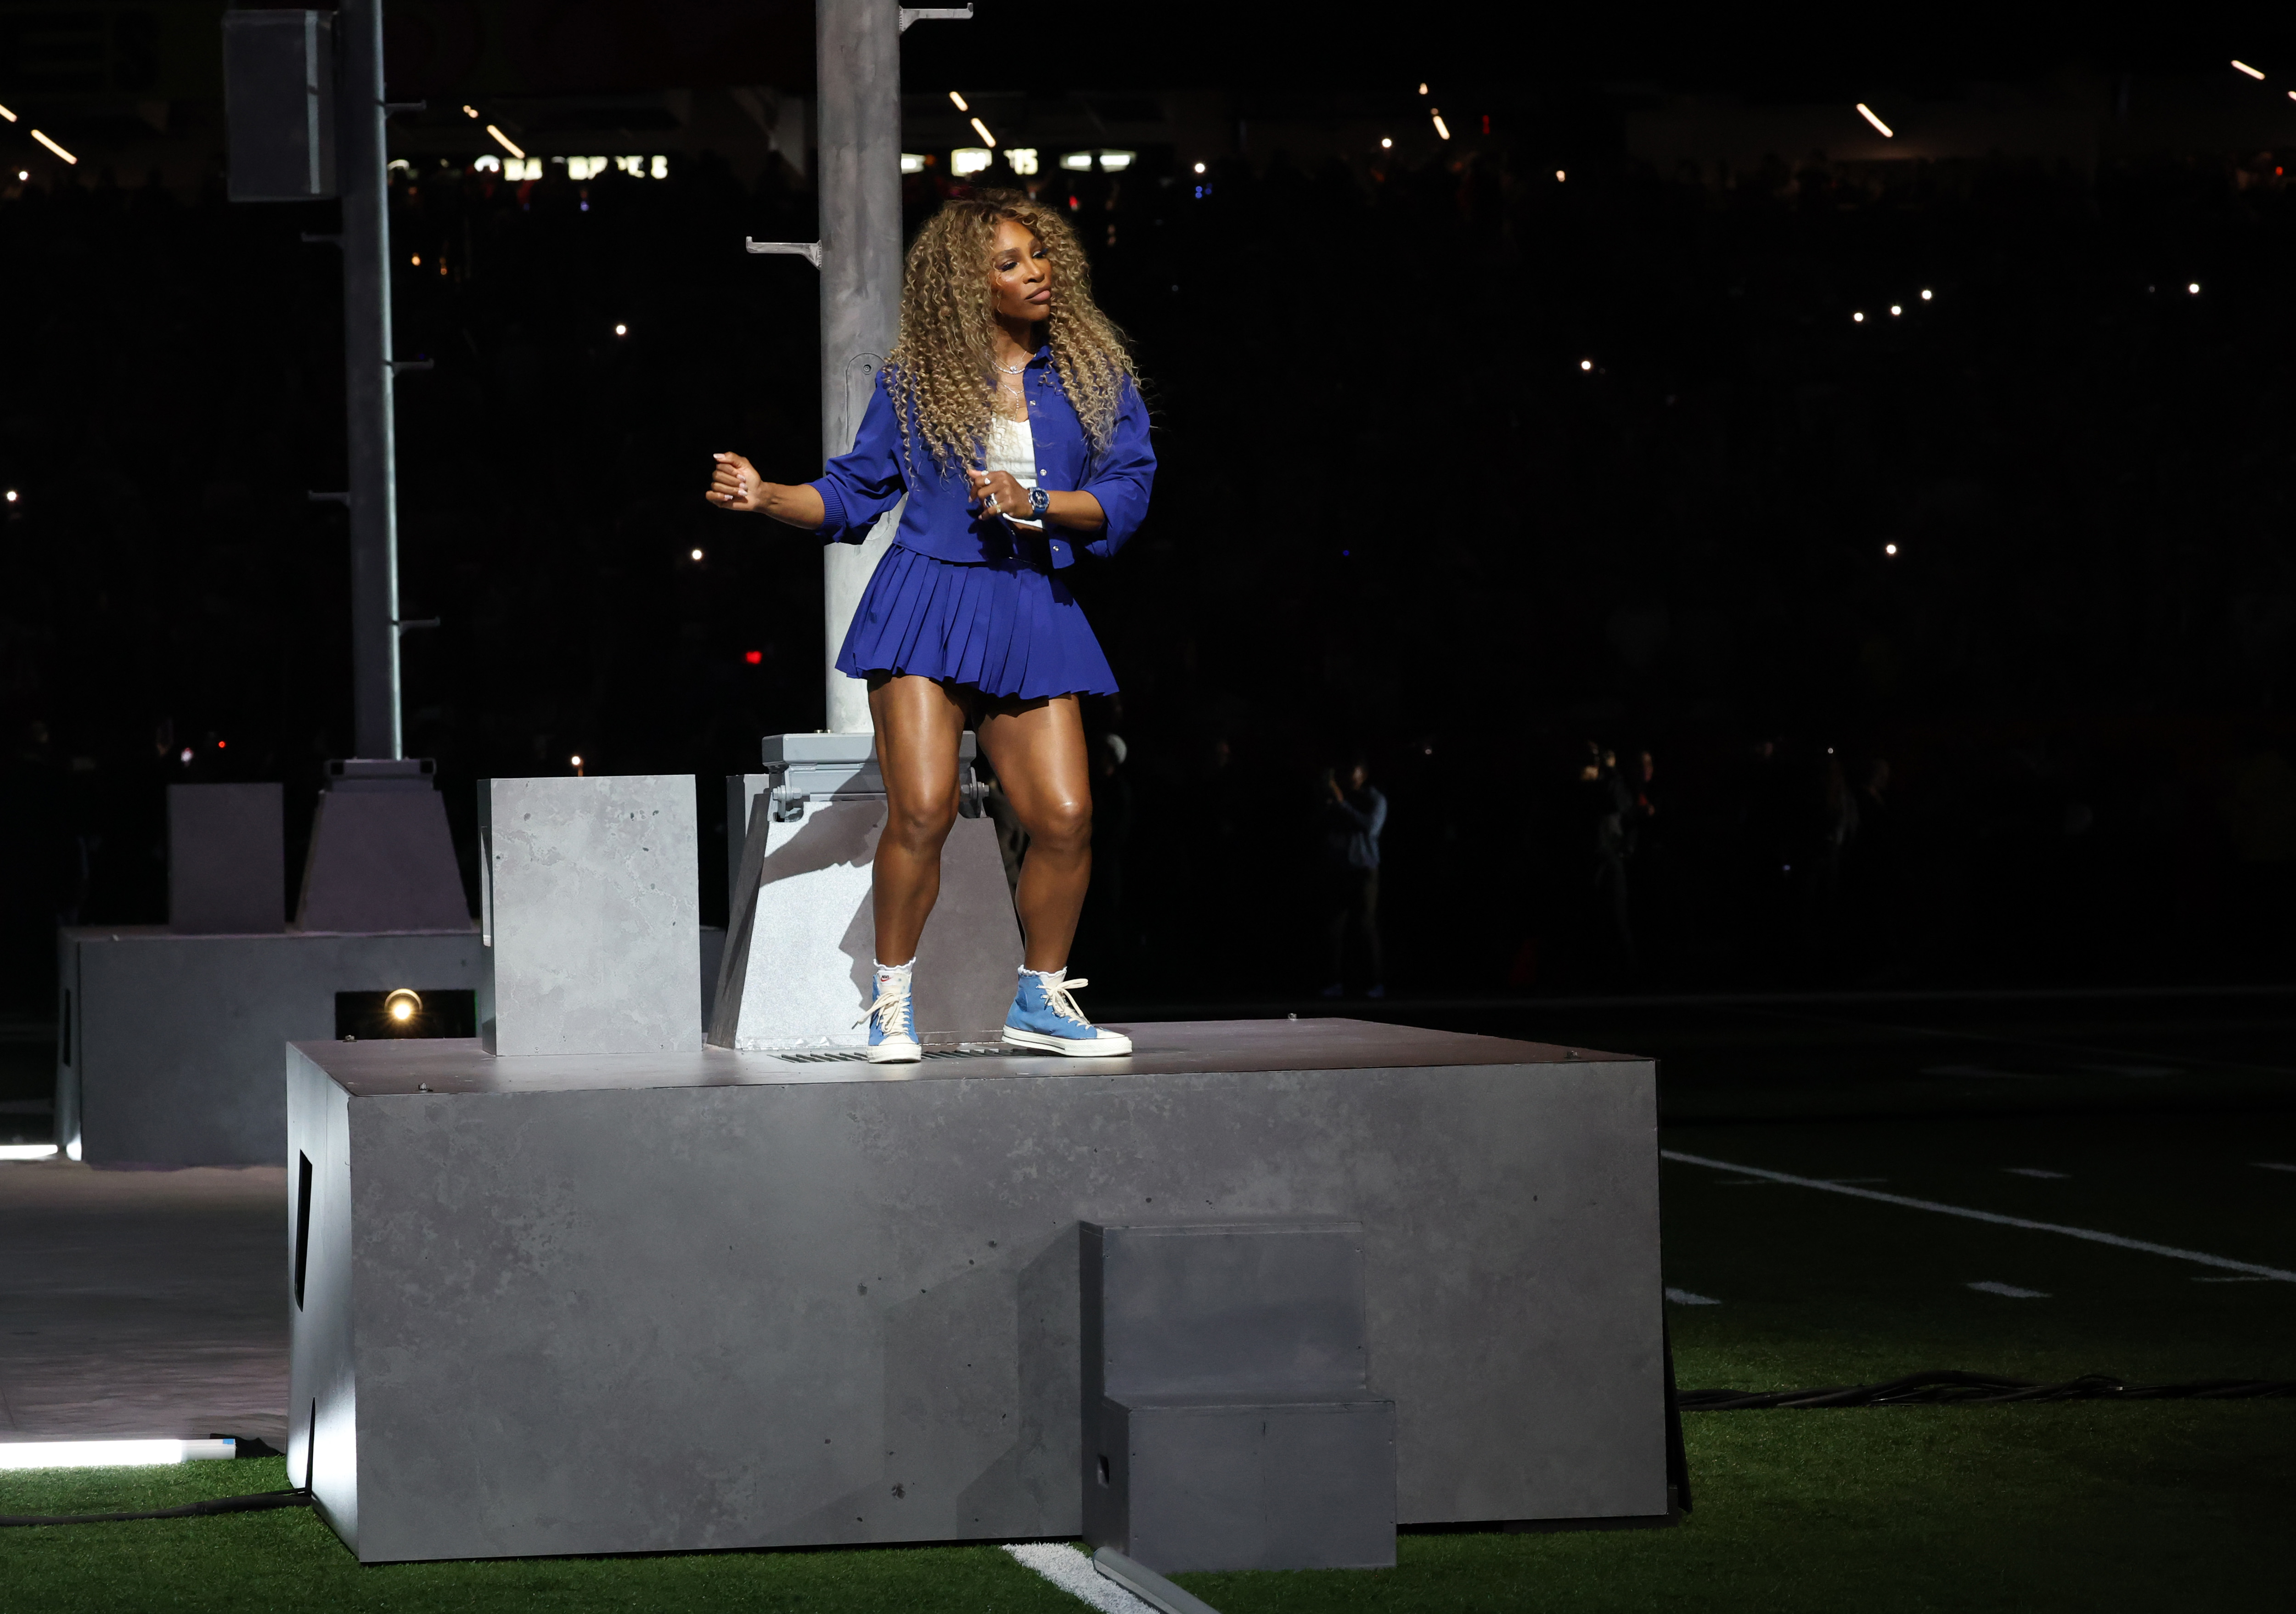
x: 260, y: 1500
x: 1953, y: 1388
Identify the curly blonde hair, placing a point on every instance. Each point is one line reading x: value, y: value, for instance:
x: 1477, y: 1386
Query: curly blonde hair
x: 942, y: 374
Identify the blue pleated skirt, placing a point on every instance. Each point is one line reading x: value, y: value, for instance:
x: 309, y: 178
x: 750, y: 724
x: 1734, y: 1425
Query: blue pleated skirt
x: 1002, y: 625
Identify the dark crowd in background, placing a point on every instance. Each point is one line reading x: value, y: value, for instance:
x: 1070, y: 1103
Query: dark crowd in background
x: 1694, y: 634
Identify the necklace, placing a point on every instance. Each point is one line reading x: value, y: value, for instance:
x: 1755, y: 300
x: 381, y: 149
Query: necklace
x: 1013, y: 369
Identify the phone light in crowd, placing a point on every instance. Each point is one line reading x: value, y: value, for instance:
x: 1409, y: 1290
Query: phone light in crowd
x: 697, y: 554
x: 958, y: 101
x: 1422, y: 89
x: 1585, y: 363
x: 1385, y: 144
x: 1021, y: 158
x: 1889, y: 549
x: 982, y: 129
x: 1200, y: 167
x: 1441, y: 127
x: 1858, y: 319
x: 506, y: 142
x: 22, y: 175
x: 1925, y: 294
x: 108, y: 1453
x: 53, y: 146
x: 5, y: 113
x: 185, y: 758
x: 1866, y: 112
x: 912, y: 162
x: 469, y: 111
x: 11, y: 495
x: 2193, y: 290
x: 968, y: 160
x: 753, y: 657
x: 1895, y: 310
x: 622, y: 329
x: 1558, y: 176
x: 418, y: 260
x: 2243, y: 67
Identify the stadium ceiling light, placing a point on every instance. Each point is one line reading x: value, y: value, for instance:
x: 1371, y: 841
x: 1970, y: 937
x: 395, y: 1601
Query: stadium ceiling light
x: 1895, y: 310
x: 1887, y: 549
x: 53, y: 146
x: 1422, y: 89
x: 986, y: 138
x: 1585, y: 363
x: 1200, y: 167
x: 697, y: 554
x: 1925, y: 296
x: 1385, y: 144
x: 506, y: 142
x: 5, y: 113
x: 108, y: 1453
x: 470, y: 110
x: 2195, y: 288
x: 959, y: 102
x: 2240, y: 66
x: 1858, y: 319
x: 1866, y: 112
x: 1441, y: 127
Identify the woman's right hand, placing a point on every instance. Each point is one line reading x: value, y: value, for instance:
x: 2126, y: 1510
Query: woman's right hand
x: 736, y: 485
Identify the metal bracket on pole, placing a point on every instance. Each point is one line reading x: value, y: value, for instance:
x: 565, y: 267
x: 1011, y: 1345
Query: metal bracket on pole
x: 390, y: 107
x: 329, y: 498
x: 934, y: 13
x: 397, y: 364
x: 809, y: 250
x: 408, y: 624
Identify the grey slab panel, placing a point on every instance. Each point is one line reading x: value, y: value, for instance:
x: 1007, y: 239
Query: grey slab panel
x: 1230, y: 1308
x: 590, y: 915
x: 1243, y: 1483
x: 381, y: 858
x: 727, y: 1300
x: 227, y: 859
x: 173, y: 1056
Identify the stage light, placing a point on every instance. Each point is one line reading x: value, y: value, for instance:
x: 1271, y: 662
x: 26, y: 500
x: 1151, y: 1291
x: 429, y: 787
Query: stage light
x: 576, y: 763
x: 11, y: 495
x: 418, y: 260
x: 469, y: 111
x: 1585, y: 363
x: 1889, y: 549
x: 507, y: 143
x: 1858, y: 319
x: 1386, y: 144
x: 10, y: 115
x: 1866, y: 112
x: 108, y: 1453
x: 1200, y: 167
x: 2195, y: 288
x: 1441, y: 127
x: 622, y: 329
x: 753, y: 657
x: 53, y: 146
x: 403, y: 1005
x: 2240, y: 66
x: 697, y: 554
x: 1895, y: 310
x: 28, y: 1151
x: 1925, y: 296
x: 958, y: 101
x: 986, y: 138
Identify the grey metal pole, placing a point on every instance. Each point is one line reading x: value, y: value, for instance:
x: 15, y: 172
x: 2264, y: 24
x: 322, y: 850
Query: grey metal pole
x: 859, y: 49
x: 362, y: 157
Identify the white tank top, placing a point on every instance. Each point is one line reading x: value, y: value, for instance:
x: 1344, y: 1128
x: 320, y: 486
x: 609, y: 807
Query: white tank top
x: 1013, y: 450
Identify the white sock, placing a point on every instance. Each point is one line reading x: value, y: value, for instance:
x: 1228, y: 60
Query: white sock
x: 885, y: 972
x: 1050, y: 977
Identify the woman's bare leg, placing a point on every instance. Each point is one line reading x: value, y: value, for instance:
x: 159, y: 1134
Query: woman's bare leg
x: 919, y: 723
x: 1038, y: 748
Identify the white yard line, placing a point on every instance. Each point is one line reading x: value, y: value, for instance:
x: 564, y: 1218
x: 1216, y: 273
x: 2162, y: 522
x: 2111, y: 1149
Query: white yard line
x: 1072, y: 1571
x: 2089, y: 1234
x: 2010, y: 1290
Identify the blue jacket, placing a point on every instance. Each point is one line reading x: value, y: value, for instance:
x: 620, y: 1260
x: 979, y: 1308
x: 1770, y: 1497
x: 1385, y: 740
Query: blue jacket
x: 858, y: 487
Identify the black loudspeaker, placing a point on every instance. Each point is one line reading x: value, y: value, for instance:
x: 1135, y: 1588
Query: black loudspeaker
x: 279, y: 103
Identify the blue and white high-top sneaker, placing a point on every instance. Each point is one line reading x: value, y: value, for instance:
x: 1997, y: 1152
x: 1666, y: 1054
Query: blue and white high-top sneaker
x: 1045, y: 1016
x: 892, y: 1020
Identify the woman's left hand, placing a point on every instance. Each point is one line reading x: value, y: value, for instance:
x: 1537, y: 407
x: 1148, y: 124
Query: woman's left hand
x: 1000, y: 493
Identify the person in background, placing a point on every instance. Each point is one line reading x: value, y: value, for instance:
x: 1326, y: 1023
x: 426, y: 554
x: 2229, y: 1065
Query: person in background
x: 1354, y: 815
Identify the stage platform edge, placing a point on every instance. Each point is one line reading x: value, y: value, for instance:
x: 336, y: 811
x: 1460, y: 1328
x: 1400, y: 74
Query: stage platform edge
x: 687, y: 1301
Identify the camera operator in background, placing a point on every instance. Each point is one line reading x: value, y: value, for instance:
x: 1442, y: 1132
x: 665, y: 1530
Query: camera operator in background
x: 1353, y: 816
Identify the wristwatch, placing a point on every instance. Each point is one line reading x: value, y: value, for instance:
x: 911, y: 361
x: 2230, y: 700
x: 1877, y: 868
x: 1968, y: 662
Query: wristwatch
x: 1039, y: 501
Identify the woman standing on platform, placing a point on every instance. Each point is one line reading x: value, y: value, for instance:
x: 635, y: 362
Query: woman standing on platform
x: 1009, y: 415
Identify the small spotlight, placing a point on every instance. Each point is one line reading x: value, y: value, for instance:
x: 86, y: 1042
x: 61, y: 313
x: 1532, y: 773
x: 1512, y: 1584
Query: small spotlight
x: 186, y: 758
x: 1925, y: 297
x: 2243, y: 67
x: 1585, y: 363
x: 1858, y: 319
x: 418, y: 260
x: 1200, y: 167
x: 1558, y: 176
x: 958, y: 101
x: 1889, y: 549
x: 1386, y: 144
x: 1895, y: 310
x: 2195, y: 288
x: 622, y: 329
x: 402, y: 1006
x: 697, y: 554
x: 22, y: 175
x: 576, y: 762
x: 1866, y: 112
x: 11, y: 495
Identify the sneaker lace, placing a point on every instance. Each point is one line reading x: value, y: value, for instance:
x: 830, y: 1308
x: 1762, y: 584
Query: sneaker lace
x: 1058, y: 999
x: 892, y: 998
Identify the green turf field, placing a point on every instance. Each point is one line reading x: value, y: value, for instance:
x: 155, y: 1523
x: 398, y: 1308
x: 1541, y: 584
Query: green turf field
x: 2142, y: 1123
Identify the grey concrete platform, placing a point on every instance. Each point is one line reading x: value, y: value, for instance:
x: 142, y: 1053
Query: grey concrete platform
x: 169, y: 1045
x: 653, y: 1302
